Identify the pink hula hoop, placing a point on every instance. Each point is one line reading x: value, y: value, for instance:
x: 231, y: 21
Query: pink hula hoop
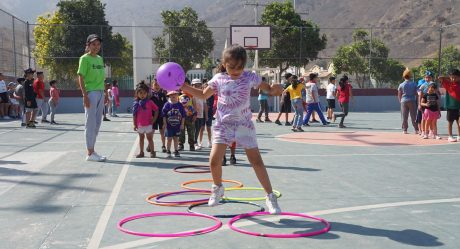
x: 180, y: 234
x: 272, y: 235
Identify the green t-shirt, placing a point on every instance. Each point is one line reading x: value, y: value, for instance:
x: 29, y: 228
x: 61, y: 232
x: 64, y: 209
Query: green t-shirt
x: 92, y: 70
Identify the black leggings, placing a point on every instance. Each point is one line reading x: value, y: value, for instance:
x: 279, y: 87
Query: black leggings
x: 344, y: 112
x: 263, y: 108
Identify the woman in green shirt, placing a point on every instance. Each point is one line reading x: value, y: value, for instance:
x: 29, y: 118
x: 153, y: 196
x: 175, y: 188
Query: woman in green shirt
x: 91, y: 75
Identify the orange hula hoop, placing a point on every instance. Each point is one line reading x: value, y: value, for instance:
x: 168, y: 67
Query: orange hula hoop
x: 184, y: 184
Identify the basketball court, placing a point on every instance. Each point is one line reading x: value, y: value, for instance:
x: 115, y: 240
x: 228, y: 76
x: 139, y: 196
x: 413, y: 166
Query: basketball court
x: 375, y: 186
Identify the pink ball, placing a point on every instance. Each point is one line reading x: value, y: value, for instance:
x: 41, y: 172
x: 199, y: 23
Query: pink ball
x: 170, y: 76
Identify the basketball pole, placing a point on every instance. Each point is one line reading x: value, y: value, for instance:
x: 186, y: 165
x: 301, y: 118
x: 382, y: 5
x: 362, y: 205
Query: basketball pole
x: 256, y: 54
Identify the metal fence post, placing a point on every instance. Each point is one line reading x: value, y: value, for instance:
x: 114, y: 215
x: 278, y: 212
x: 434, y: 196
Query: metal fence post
x: 14, y: 48
x: 440, y: 51
x: 28, y: 42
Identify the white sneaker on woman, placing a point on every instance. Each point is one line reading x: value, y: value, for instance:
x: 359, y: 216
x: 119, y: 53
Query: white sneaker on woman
x: 102, y: 157
x: 94, y: 157
x: 451, y: 139
x: 272, y: 204
x: 217, y: 192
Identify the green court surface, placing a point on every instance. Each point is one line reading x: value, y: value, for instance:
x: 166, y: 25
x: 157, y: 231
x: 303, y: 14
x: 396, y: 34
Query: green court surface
x: 377, y: 187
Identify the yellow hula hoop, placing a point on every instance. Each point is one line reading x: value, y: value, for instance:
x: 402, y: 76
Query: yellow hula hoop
x: 185, y: 184
x: 276, y: 192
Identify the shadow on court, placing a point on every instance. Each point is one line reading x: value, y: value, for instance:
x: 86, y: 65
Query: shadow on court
x: 407, y: 236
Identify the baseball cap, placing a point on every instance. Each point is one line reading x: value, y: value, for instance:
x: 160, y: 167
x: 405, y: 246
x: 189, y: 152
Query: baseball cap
x: 428, y: 73
x: 172, y: 92
x: 92, y: 38
x: 196, y: 81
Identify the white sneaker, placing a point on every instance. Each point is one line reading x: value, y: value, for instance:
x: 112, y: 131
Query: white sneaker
x: 437, y: 137
x: 209, y: 145
x: 425, y: 137
x: 198, y: 146
x: 451, y: 139
x: 405, y: 132
x: 102, y: 157
x: 272, y: 204
x: 94, y: 158
x: 458, y: 138
x: 217, y: 192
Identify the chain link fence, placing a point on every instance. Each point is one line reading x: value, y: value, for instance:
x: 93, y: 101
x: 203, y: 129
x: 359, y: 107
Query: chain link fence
x: 410, y: 46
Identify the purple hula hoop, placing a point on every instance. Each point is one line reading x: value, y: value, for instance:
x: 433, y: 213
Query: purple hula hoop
x: 157, y: 199
x: 180, y: 234
x: 272, y: 235
x: 204, y: 169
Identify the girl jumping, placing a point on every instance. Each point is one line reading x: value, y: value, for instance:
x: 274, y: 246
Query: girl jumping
x: 233, y: 120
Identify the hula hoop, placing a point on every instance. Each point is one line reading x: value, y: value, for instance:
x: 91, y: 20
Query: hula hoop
x: 189, y: 209
x: 149, y: 200
x: 281, y: 235
x: 180, y: 234
x: 184, y: 184
x: 205, y: 169
x: 157, y: 198
x: 276, y: 192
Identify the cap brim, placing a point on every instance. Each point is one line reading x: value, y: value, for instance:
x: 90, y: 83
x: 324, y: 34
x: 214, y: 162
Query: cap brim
x: 94, y: 39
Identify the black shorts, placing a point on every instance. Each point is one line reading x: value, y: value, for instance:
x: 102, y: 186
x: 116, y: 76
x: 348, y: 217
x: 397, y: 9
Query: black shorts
x: 158, y: 124
x: 418, y: 118
x: 4, y: 99
x: 286, y: 105
x: 453, y: 115
x: 199, y: 122
x: 172, y: 133
x: 209, y: 121
x: 331, y: 103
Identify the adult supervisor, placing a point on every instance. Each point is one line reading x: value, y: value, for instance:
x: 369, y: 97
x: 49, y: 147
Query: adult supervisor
x: 91, y: 77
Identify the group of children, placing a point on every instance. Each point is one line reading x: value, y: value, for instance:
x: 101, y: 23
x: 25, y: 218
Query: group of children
x: 422, y: 102
x: 24, y: 99
x: 173, y: 114
x: 113, y: 95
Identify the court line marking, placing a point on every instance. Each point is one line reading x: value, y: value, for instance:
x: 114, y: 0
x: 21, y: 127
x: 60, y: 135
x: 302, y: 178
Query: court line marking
x: 142, y: 242
x: 101, y: 226
x: 367, y: 154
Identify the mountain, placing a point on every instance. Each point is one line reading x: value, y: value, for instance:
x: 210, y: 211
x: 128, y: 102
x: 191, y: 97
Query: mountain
x: 393, y: 21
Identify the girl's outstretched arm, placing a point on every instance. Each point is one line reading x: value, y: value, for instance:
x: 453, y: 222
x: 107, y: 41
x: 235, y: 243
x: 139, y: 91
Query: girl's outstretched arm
x: 202, y: 94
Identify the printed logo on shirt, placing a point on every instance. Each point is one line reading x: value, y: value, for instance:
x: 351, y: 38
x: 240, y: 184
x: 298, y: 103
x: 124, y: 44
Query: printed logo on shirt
x: 98, y: 66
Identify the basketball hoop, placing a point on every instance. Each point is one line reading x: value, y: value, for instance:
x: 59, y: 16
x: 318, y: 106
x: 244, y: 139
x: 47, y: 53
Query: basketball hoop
x: 250, y: 47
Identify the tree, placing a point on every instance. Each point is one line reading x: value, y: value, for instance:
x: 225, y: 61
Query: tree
x: 189, y: 39
x: 354, y: 59
x: 450, y: 59
x: 60, y: 39
x: 295, y: 42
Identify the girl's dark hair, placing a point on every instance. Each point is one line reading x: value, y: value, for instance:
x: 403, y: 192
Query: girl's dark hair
x: 295, y: 82
x: 235, y: 53
x: 53, y: 82
x: 343, y: 82
x: 287, y: 75
x: 141, y: 87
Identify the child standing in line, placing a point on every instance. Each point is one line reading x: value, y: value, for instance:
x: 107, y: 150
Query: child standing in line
x: 211, y: 110
x: 201, y: 115
x: 432, y: 112
x: 143, y: 120
x: 29, y: 98
x: 19, y: 96
x: 285, y: 101
x: 452, y: 86
x: 173, y: 114
x: 295, y: 92
x: 14, y: 104
x: 330, y: 97
x: 54, y: 100
x: 116, y: 98
x: 234, y: 120
x: 158, y: 96
x: 187, y: 102
x: 107, y: 108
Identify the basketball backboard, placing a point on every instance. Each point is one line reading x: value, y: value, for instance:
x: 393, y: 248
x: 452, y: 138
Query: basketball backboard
x: 256, y: 37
